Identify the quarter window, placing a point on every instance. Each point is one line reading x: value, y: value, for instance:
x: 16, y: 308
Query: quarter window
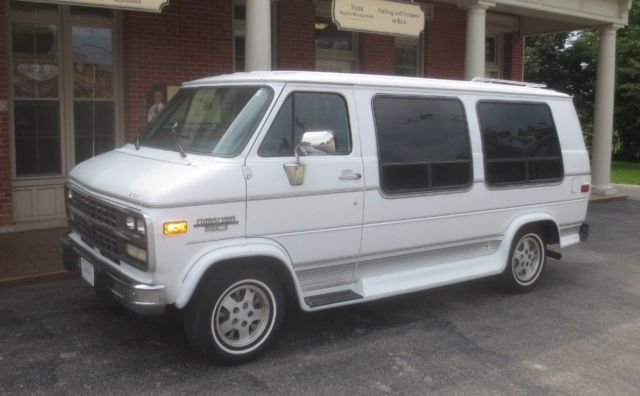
x: 520, y: 143
x: 304, y: 112
x: 423, y: 144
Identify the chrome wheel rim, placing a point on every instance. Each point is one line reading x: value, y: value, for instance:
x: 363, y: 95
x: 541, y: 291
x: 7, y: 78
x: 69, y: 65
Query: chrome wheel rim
x: 242, y: 314
x: 527, y: 259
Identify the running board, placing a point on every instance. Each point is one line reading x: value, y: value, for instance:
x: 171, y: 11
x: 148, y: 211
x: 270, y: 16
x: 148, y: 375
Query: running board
x: 332, y: 298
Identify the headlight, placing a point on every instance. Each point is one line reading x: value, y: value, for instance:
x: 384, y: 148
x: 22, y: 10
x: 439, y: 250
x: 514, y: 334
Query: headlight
x: 136, y: 252
x: 136, y: 224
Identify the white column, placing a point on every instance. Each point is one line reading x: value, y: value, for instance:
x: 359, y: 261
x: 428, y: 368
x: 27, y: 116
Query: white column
x: 258, y: 38
x: 475, y: 39
x: 603, y: 112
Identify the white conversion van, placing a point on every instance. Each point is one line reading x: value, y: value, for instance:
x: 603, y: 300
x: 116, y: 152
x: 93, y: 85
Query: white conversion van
x: 254, y: 189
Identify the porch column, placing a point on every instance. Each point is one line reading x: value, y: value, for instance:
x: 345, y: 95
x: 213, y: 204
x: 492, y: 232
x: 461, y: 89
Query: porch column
x: 258, y: 36
x: 474, y: 59
x: 603, y: 112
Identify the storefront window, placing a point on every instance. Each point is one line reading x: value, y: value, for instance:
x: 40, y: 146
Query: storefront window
x: 36, y: 108
x: 407, y: 58
x: 328, y: 37
x: 93, y: 107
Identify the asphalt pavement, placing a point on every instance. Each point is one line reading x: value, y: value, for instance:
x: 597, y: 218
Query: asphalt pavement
x: 577, y: 333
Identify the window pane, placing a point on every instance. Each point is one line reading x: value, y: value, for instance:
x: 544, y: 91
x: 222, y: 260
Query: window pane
x: 92, y: 62
x: 329, y: 37
x: 35, y: 8
x: 305, y: 112
x: 421, y: 130
x: 37, y: 137
x: 239, y: 43
x: 423, y: 143
x: 522, y: 132
x: 35, y: 60
x: 92, y: 12
x: 407, y: 61
x: 490, y: 49
x: 94, y: 124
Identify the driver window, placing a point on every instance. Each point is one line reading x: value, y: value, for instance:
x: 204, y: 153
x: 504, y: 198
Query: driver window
x: 304, y: 112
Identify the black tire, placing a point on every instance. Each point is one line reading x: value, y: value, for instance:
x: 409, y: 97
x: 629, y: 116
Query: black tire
x: 527, y: 260
x: 256, y: 302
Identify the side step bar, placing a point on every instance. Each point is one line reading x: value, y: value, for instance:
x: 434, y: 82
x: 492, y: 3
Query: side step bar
x: 332, y: 298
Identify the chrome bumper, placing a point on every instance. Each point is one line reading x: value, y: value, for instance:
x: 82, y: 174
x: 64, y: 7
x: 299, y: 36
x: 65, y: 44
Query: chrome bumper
x: 137, y: 297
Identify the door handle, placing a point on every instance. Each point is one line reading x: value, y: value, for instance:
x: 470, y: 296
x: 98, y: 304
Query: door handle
x: 348, y: 174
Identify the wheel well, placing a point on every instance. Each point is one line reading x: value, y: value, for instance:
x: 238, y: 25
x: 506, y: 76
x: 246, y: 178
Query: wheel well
x: 549, y: 230
x: 276, y: 266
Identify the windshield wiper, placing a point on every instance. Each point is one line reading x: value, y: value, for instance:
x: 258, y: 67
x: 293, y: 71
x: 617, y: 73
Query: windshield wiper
x: 175, y: 134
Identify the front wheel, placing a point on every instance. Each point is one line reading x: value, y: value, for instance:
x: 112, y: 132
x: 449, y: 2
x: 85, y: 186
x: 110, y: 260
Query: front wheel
x: 236, y: 314
x: 526, y: 261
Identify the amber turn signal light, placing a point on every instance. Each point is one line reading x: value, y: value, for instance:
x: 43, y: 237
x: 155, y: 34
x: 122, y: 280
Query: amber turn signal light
x: 174, y: 227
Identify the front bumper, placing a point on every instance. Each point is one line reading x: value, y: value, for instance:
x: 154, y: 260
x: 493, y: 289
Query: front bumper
x: 137, y: 297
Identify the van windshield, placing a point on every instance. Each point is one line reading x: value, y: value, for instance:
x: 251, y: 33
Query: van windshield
x: 210, y: 120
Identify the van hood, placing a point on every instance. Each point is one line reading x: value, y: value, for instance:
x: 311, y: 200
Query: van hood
x: 157, y: 178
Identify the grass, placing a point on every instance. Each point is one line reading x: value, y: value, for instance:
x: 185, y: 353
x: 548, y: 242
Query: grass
x: 625, y: 172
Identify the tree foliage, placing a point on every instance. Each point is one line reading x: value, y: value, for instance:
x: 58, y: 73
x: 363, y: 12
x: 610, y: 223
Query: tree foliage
x: 567, y: 62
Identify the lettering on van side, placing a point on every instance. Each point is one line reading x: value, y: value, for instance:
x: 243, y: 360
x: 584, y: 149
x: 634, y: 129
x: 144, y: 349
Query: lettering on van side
x: 211, y: 224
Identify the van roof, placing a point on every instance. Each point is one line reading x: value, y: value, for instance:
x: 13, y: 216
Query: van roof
x: 372, y: 80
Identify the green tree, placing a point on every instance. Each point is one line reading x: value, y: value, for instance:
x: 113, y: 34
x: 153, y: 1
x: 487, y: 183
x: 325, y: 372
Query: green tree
x: 567, y: 62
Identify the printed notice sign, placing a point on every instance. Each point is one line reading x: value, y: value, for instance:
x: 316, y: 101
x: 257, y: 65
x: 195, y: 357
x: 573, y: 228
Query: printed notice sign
x: 379, y: 16
x: 138, y: 5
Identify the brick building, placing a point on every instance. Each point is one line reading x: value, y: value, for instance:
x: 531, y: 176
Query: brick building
x: 76, y: 81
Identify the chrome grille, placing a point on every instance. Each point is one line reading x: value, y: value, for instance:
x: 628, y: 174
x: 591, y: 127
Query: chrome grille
x: 95, y: 209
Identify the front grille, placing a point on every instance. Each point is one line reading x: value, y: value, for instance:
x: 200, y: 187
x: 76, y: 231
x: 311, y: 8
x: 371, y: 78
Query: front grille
x: 95, y: 209
x: 102, y: 226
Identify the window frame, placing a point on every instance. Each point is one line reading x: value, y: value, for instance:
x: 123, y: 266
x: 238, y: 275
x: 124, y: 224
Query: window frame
x: 428, y: 191
x: 277, y: 110
x: 527, y: 182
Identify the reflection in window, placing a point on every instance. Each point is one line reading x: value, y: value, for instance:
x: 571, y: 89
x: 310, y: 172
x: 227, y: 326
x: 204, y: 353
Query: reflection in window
x: 406, y: 59
x: 520, y: 143
x: 329, y: 37
x: 423, y: 144
x: 37, y: 137
x: 94, y: 128
x: 35, y: 61
x: 92, y: 62
x: 305, y: 112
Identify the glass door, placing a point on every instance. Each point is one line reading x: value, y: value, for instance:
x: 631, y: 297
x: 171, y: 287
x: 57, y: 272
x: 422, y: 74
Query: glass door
x: 93, y: 94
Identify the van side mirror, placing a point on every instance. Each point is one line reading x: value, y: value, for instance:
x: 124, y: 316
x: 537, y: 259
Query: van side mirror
x: 312, y: 143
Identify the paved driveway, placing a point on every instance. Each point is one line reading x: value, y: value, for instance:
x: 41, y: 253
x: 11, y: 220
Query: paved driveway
x: 579, y: 332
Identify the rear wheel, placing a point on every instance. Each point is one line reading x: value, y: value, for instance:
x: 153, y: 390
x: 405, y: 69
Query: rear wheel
x: 526, y: 261
x: 236, y: 314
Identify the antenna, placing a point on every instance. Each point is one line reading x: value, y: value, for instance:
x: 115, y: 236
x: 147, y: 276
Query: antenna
x: 508, y: 82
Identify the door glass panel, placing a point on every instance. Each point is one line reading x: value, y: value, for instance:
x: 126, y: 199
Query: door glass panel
x: 94, y: 126
x: 37, y: 137
x: 93, y: 104
x: 92, y: 62
x: 35, y: 61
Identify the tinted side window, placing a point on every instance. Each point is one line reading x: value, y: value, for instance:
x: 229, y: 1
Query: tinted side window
x: 423, y: 143
x: 520, y: 143
x: 304, y: 112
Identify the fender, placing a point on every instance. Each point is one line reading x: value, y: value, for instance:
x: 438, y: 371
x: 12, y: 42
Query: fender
x: 237, y: 249
x: 515, y: 225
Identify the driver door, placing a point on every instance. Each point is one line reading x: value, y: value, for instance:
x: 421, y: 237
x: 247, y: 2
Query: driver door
x: 319, y: 222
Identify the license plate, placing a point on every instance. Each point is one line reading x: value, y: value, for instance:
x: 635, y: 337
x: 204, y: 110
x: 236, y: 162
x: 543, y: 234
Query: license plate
x: 86, y: 268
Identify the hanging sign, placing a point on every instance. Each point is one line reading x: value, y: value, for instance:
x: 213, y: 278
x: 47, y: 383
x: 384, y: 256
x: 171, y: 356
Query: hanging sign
x: 135, y: 5
x: 379, y: 16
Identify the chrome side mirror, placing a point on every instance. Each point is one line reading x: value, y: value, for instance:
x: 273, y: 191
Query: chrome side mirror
x: 312, y: 143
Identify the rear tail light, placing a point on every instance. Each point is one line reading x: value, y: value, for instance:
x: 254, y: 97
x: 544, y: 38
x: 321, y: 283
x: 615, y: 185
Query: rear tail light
x: 585, y: 188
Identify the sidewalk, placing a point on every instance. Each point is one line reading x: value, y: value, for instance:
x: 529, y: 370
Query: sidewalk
x: 31, y: 256
x: 632, y: 191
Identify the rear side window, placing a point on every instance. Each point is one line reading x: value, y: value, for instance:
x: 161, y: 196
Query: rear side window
x: 305, y: 112
x: 520, y: 143
x: 423, y: 144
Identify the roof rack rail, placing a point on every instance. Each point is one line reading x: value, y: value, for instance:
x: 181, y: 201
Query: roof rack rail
x: 508, y: 82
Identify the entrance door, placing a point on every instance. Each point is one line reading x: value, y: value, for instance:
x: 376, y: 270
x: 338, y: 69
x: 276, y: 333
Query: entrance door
x: 64, y: 86
x: 319, y: 222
